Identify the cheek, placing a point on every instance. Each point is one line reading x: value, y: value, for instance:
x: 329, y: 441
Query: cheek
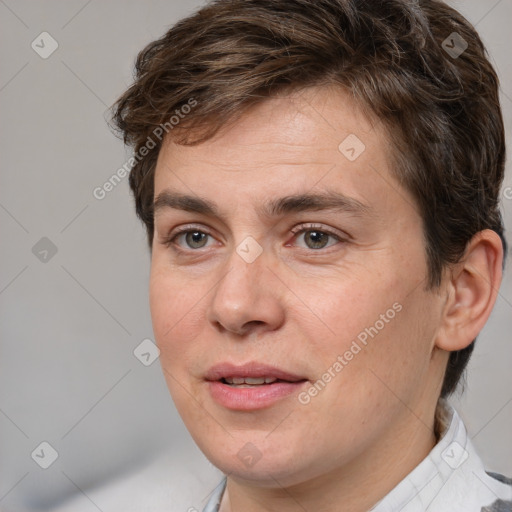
x: 176, y: 308
x: 390, y: 370
x: 349, y: 307
x: 376, y: 340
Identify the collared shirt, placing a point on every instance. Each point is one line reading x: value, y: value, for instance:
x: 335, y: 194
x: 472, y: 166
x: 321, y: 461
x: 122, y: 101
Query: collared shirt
x: 451, y: 478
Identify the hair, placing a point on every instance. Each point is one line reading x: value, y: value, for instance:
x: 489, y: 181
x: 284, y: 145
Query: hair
x: 440, y: 110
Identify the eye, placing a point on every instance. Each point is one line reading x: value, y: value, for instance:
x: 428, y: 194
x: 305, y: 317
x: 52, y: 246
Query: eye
x: 195, y: 239
x: 192, y: 238
x: 316, y: 238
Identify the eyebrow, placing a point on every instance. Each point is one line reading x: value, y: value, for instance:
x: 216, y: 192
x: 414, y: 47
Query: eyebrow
x: 272, y: 208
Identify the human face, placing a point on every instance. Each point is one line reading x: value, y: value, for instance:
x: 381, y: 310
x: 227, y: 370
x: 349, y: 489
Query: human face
x: 310, y: 281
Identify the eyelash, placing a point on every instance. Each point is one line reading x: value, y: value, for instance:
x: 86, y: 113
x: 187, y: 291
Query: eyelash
x: 170, y: 241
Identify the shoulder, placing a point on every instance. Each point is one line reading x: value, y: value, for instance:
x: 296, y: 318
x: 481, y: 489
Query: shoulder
x: 500, y: 505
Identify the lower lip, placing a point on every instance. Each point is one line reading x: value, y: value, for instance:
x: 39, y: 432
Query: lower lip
x: 257, y: 397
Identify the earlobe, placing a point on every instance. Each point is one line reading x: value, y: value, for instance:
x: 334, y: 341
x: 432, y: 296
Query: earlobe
x: 471, y: 291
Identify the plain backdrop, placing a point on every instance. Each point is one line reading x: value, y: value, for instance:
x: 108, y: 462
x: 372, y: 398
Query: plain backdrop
x: 74, y: 274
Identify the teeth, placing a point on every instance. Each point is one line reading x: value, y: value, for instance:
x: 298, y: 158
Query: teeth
x: 252, y: 381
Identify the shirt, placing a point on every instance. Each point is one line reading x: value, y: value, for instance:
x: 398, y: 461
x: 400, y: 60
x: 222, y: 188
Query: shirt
x: 451, y: 478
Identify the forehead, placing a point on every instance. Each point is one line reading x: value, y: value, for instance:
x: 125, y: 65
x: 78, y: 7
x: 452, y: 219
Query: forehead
x: 309, y: 124
x: 312, y: 140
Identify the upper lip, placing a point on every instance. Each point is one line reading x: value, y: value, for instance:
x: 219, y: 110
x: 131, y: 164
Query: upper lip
x: 251, y: 369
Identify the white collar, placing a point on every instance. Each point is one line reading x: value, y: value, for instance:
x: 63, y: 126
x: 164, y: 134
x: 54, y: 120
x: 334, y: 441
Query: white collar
x: 451, y: 478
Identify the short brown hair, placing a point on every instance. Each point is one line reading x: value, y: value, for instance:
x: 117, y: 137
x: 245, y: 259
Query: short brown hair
x: 441, y: 109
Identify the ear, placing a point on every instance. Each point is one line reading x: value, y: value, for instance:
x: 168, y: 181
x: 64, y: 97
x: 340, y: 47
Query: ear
x: 472, y: 289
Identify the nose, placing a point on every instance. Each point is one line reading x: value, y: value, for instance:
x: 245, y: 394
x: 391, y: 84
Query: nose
x: 247, y: 297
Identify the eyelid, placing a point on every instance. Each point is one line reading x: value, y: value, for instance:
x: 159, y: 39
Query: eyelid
x: 188, y: 227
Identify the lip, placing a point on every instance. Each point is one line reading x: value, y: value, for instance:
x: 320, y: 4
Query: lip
x: 259, y: 397
x: 251, y: 369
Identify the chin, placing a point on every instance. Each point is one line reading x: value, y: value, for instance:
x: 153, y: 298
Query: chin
x: 262, y: 464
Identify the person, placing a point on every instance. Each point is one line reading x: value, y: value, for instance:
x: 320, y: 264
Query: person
x: 320, y: 185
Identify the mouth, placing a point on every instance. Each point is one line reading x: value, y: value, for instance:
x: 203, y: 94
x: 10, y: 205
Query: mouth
x: 249, y: 382
x: 251, y: 386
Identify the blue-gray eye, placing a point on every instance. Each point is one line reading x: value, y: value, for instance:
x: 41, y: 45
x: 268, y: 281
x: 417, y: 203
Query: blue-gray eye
x: 195, y: 239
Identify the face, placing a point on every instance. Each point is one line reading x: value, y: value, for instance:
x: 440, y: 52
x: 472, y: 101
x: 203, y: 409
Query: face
x: 285, y: 251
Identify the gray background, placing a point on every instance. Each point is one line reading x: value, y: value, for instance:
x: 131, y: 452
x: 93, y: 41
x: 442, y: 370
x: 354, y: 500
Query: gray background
x: 69, y: 325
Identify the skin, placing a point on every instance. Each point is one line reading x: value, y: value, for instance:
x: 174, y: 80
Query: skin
x: 299, y: 308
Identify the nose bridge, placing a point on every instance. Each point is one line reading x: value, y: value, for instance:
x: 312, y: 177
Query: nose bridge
x: 243, y: 295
